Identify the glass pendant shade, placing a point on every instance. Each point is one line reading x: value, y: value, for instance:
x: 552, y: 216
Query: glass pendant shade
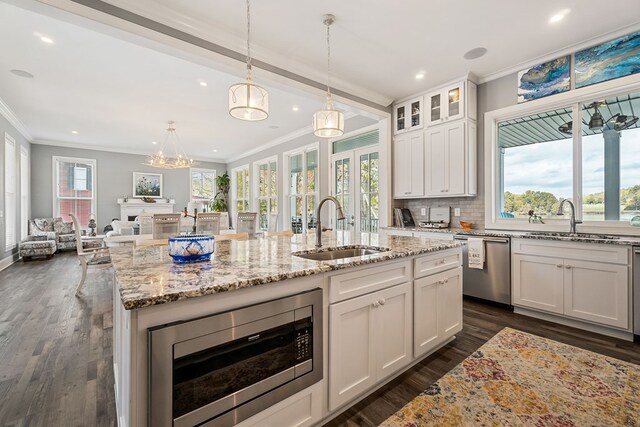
x: 248, y: 101
x: 328, y: 123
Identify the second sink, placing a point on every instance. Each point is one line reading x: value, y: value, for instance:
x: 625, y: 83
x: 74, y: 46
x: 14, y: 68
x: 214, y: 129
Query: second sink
x: 339, y: 252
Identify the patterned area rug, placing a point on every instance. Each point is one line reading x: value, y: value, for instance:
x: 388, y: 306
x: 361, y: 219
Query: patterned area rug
x: 518, y: 379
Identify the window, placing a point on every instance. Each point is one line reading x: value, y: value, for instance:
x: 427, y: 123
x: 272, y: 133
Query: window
x: 266, y: 174
x: 24, y: 192
x: 544, y: 157
x: 369, y: 192
x: 302, y: 186
x: 240, y: 188
x: 75, y: 190
x: 203, y: 184
x: 10, y: 190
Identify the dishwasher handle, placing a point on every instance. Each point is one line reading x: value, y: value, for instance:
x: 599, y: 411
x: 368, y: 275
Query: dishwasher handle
x: 486, y: 239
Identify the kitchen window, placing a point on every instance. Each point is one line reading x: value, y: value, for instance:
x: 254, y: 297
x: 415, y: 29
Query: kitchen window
x: 75, y: 190
x: 302, y: 185
x: 542, y: 157
x: 203, y: 184
x: 240, y: 188
x: 10, y: 190
x: 266, y: 185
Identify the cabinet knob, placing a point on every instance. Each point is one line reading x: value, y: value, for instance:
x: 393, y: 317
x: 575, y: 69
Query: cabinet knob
x: 407, y: 192
x: 376, y: 304
x: 446, y: 280
x: 382, y: 301
x: 567, y: 267
x: 559, y: 265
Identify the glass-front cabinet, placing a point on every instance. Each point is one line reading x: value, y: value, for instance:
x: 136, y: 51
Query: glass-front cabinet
x: 408, y: 115
x: 447, y: 104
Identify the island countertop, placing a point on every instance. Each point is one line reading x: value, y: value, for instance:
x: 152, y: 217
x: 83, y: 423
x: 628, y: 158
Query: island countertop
x: 147, y: 275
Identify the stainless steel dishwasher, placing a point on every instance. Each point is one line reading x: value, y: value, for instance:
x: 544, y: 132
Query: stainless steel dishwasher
x: 493, y: 282
x: 636, y: 293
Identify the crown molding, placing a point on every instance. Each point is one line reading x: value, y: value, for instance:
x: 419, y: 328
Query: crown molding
x: 82, y: 146
x: 8, y: 114
x: 560, y: 52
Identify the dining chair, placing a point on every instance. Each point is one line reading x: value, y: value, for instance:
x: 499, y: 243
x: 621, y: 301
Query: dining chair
x: 208, y: 223
x: 246, y: 223
x: 237, y: 236
x: 150, y: 242
x: 145, y: 221
x: 278, y: 233
x: 89, y: 257
x: 166, y: 225
x: 273, y: 222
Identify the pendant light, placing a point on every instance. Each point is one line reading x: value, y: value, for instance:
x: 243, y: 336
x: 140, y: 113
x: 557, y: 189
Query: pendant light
x: 248, y: 101
x: 328, y: 123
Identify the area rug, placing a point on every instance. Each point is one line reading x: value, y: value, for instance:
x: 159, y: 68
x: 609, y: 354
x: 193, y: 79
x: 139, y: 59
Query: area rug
x: 519, y: 379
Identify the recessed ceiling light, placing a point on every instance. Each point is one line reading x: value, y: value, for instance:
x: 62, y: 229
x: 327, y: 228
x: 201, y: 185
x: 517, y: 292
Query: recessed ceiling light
x: 420, y: 75
x: 274, y: 127
x: 22, y: 73
x: 295, y: 108
x: 559, y: 16
x: 215, y: 151
x: 203, y: 83
x: 46, y: 40
x: 154, y: 142
x: 75, y: 132
x: 475, y: 53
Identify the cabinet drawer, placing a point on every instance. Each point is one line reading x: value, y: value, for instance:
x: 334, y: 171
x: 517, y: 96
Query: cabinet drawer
x: 614, y: 254
x: 301, y: 409
x: 368, y: 279
x: 437, y: 262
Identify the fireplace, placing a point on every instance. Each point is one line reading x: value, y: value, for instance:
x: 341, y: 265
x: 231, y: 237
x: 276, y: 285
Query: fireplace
x: 134, y: 207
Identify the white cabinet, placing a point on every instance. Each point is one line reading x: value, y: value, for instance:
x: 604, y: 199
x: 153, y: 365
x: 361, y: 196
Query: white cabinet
x: 437, y: 309
x: 408, y: 115
x: 450, y: 160
x: 452, y: 102
x: 571, y: 279
x: 369, y: 339
x: 408, y: 165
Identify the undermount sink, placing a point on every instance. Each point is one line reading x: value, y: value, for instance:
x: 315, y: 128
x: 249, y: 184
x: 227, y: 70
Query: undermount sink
x: 339, y: 252
x: 574, y: 235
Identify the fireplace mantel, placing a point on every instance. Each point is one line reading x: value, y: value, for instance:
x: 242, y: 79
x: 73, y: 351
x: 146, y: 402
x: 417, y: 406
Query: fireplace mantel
x: 134, y: 207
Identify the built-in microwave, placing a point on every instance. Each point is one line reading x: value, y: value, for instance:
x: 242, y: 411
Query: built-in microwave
x: 222, y: 369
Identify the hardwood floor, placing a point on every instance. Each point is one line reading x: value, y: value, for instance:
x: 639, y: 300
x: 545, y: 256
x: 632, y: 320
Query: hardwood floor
x: 56, y: 358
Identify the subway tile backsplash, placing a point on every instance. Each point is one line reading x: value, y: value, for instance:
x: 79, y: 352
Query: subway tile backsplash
x: 471, y: 209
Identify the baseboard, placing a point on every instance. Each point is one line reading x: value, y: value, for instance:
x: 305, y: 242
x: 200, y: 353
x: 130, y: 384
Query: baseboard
x: 6, y: 262
x: 603, y: 330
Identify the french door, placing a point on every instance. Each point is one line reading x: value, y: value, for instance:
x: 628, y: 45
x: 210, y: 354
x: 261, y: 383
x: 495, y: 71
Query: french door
x: 354, y: 182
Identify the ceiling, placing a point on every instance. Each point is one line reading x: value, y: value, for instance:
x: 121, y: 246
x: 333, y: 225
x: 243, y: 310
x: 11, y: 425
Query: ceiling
x: 118, y: 92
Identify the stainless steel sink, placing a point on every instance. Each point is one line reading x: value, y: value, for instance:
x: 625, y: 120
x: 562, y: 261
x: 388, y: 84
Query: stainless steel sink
x: 339, y: 252
x: 574, y: 235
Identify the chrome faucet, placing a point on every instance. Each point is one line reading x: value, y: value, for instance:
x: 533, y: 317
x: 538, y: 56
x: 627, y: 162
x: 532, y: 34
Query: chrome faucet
x: 318, y: 223
x: 572, y: 221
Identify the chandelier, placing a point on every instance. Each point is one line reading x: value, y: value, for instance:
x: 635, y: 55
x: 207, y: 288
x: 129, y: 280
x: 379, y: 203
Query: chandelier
x: 328, y: 123
x: 248, y: 101
x: 178, y: 160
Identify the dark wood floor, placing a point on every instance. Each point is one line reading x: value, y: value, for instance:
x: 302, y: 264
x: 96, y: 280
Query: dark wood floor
x: 56, y: 363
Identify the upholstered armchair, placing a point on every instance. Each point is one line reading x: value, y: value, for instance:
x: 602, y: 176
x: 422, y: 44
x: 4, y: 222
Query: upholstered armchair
x: 54, y: 229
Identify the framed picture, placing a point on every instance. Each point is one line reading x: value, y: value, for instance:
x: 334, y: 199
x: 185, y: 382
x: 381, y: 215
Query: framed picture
x: 544, y: 79
x: 607, y: 61
x: 146, y: 184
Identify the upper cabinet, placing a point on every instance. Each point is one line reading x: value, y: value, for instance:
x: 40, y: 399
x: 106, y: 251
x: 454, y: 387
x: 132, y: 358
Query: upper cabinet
x: 408, y: 165
x: 451, y: 102
x: 408, y: 116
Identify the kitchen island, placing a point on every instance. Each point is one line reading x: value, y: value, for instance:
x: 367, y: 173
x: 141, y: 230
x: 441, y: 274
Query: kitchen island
x: 379, y: 313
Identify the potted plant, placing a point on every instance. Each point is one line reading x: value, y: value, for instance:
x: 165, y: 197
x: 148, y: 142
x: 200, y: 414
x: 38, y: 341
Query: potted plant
x: 220, y: 202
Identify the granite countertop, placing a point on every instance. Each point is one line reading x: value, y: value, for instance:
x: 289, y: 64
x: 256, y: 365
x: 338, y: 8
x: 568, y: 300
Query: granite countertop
x: 147, y: 275
x: 606, y: 239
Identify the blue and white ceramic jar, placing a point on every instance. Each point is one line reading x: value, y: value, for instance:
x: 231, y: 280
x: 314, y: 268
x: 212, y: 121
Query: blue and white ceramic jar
x: 191, y: 248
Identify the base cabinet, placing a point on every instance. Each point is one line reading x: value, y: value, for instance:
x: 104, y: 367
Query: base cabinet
x: 437, y: 309
x: 538, y: 282
x: 370, y: 338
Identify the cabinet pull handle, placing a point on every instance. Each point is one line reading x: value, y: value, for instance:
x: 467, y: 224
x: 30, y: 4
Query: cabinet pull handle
x: 382, y: 301
x: 559, y: 265
x: 376, y: 304
x: 567, y: 267
x: 407, y: 192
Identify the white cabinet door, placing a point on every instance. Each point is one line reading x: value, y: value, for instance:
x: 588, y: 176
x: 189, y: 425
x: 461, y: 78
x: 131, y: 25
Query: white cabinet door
x: 425, y: 314
x: 408, y: 116
x: 454, y: 101
x: 393, y: 329
x: 408, y: 165
x: 351, y: 348
x: 450, y: 304
x: 434, y: 162
x: 455, y: 159
x: 538, y: 282
x: 597, y: 292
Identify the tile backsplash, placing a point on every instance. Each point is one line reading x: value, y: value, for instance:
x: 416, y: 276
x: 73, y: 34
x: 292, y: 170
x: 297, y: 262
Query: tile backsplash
x: 471, y: 209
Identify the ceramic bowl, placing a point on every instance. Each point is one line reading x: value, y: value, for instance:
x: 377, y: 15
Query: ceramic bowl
x: 466, y: 225
x: 191, y: 248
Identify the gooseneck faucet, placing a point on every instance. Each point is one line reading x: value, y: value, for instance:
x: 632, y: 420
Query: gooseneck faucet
x: 572, y: 221
x: 318, y: 222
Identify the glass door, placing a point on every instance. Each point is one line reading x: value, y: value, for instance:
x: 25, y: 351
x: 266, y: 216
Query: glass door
x: 400, y: 118
x: 435, y: 112
x: 342, y: 188
x: 454, y: 102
